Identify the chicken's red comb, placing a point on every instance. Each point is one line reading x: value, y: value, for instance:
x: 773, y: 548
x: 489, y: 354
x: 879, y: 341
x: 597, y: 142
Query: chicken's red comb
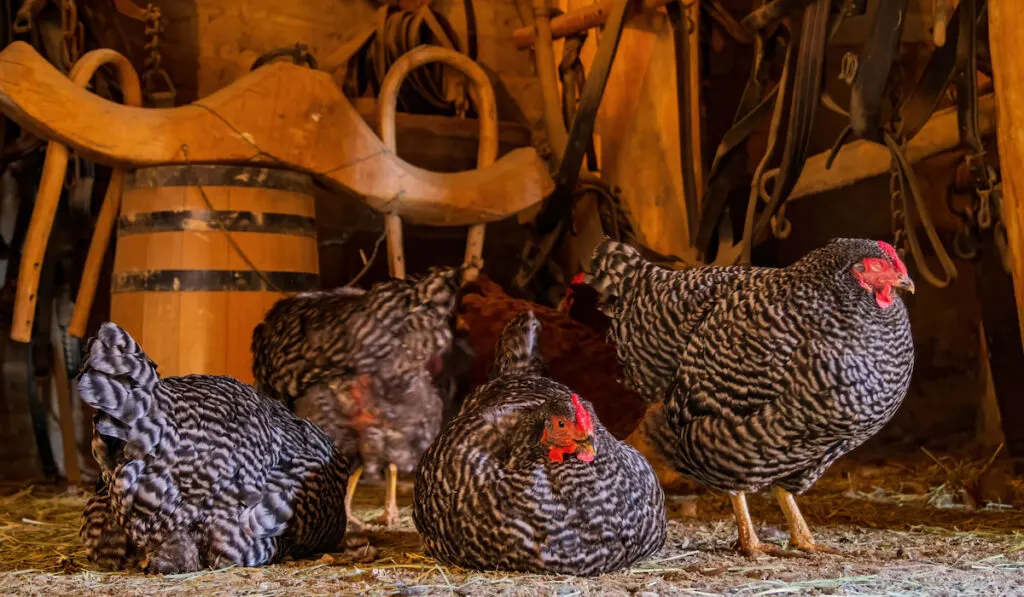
x: 579, y: 278
x: 890, y: 250
x: 582, y: 416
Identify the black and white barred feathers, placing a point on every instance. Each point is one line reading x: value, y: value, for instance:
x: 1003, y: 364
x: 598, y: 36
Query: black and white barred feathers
x: 366, y: 366
x: 200, y: 471
x: 495, y: 491
x: 764, y: 376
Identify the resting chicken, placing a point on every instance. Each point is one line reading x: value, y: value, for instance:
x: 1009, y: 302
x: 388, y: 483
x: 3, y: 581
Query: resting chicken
x: 200, y: 471
x: 526, y: 478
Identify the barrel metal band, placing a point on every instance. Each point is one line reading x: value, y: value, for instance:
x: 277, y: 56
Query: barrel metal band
x: 219, y: 176
x: 212, y: 281
x: 202, y: 220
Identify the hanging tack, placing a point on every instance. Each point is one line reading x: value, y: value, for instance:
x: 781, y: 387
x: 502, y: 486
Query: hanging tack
x: 487, y: 110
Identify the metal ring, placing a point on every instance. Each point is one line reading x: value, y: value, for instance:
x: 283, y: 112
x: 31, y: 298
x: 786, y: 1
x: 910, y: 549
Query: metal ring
x: 964, y: 246
x: 781, y: 227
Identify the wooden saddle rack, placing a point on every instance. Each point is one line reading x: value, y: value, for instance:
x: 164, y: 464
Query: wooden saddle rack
x: 280, y: 115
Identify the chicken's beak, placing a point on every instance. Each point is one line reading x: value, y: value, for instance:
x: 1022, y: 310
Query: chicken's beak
x: 585, y: 449
x: 903, y: 282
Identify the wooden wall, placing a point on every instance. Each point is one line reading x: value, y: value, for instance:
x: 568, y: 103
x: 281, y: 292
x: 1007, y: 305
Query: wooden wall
x: 209, y: 43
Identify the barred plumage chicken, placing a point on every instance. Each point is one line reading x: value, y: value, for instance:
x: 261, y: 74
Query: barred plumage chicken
x: 575, y: 354
x: 762, y: 376
x: 200, y: 471
x: 527, y: 479
x: 366, y: 367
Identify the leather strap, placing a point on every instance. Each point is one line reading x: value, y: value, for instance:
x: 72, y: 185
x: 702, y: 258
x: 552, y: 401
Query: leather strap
x: 922, y: 101
x: 965, y: 76
x: 681, y: 40
x: 876, y: 59
x: 471, y: 29
x: 729, y: 162
x: 560, y: 205
x: 806, y: 98
x: 983, y: 177
x: 552, y: 222
x: 573, y: 77
x: 768, y: 160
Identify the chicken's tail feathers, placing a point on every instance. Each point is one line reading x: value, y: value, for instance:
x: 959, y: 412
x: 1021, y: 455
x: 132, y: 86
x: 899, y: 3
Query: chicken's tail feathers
x: 518, y: 350
x: 610, y: 268
x: 119, y: 381
x: 439, y: 286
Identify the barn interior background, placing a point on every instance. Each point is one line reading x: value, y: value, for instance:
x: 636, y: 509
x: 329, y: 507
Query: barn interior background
x: 710, y: 131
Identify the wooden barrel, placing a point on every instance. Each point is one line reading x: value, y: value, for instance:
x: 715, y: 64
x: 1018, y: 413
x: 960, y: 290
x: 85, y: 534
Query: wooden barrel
x: 181, y: 285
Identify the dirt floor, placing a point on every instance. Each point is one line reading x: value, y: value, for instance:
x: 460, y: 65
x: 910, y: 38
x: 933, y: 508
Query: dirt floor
x: 906, y: 528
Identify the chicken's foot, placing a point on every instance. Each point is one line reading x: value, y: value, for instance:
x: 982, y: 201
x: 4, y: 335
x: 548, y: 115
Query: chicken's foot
x: 390, y: 517
x: 750, y: 545
x: 800, y: 533
x: 354, y: 524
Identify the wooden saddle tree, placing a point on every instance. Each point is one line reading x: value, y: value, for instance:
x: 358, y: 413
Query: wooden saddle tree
x: 281, y: 114
x: 278, y: 115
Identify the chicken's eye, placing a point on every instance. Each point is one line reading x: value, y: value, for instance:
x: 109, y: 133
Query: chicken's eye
x: 876, y: 267
x: 561, y: 423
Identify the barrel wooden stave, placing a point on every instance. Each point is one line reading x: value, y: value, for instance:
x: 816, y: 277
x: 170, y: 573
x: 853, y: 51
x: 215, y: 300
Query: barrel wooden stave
x: 181, y: 288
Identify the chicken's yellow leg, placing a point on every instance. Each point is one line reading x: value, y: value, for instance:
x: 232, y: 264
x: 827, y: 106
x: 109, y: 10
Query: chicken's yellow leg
x: 354, y: 523
x: 390, y: 517
x: 750, y: 545
x: 799, y: 533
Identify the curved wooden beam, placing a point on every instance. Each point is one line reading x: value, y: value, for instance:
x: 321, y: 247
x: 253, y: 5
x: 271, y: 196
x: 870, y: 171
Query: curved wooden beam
x: 48, y: 197
x: 487, y: 153
x: 279, y: 114
x: 131, y: 88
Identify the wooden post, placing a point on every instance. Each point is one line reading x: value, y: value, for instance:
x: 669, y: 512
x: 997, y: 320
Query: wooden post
x: 1005, y: 20
x: 593, y: 15
x: 544, y: 57
x: 1000, y: 319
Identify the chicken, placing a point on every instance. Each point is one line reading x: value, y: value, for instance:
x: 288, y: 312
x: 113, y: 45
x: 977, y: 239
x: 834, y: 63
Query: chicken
x: 365, y: 366
x: 200, y: 471
x: 526, y: 478
x: 762, y: 377
x: 576, y: 355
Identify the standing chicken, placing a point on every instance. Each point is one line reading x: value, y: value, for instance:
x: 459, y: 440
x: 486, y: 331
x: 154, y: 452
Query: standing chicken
x: 365, y: 367
x: 762, y: 376
x: 201, y: 470
x: 526, y: 479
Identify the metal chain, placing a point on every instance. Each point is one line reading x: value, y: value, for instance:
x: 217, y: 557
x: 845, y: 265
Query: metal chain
x: 982, y: 210
x: 72, y: 43
x: 898, y: 221
x: 156, y: 83
x: 897, y: 215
